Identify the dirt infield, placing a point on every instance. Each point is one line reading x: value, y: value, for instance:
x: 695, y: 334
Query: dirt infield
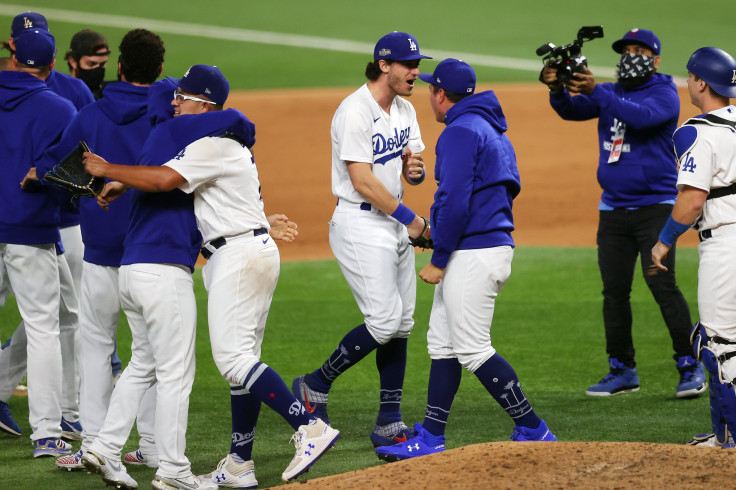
x: 557, y: 206
x: 557, y: 162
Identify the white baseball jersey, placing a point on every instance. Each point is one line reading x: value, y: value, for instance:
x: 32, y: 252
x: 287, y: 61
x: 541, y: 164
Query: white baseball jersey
x: 707, y: 158
x: 363, y: 132
x: 710, y: 163
x: 241, y: 276
x: 222, y: 175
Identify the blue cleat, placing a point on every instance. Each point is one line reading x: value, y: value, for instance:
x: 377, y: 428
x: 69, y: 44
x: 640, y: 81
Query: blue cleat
x: 621, y: 379
x: 50, y: 447
x: 71, y: 431
x: 7, y: 422
x: 422, y: 444
x: 692, y: 378
x: 390, y: 434
x: 314, y: 402
x: 541, y: 433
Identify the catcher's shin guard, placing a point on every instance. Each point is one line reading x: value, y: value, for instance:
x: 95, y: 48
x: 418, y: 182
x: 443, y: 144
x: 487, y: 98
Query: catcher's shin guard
x: 723, y: 393
x: 698, y: 338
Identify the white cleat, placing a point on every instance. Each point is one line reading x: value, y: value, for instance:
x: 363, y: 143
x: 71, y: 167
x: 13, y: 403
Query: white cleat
x: 137, y: 458
x: 231, y: 474
x: 190, y: 482
x: 311, y: 442
x: 113, y: 472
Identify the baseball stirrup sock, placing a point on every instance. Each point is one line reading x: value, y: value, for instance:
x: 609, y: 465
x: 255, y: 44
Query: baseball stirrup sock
x: 444, y: 380
x: 391, y: 364
x: 357, y: 344
x: 269, y: 388
x: 244, y: 409
x: 499, y: 378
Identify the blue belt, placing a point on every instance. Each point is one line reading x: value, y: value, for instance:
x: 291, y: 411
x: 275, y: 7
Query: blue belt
x: 219, y: 242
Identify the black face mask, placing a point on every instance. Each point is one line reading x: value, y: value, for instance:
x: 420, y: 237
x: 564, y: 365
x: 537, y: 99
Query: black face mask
x: 92, y: 78
x: 634, y: 70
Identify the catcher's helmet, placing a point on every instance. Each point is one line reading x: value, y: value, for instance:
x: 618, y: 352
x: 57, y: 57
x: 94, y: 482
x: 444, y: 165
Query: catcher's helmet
x: 717, y: 68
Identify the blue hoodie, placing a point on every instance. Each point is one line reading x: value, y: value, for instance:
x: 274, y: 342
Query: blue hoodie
x: 115, y: 127
x: 163, y: 228
x: 77, y: 92
x: 477, y: 179
x: 646, y: 172
x: 32, y: 118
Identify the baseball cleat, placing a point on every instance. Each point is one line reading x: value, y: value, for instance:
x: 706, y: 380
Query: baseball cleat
x: 390, y: 434
x: 71, y: 462
x: 311, y: 442
x: 620, y: 380
x: 190, y: 482
x: 422, y: 444
x: 71, y: 431
x: 20, y: 390
x: 315, y: 402
x: 231, y: 474
x: 137, y: 458
x: 692, y: 378
x: 541, y: 433
x: 709, y: 440
x: 50, y: 447
x: 7, y: 422
x: 113, y: 472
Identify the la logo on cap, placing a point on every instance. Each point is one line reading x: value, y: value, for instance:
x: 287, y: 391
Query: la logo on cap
x: 412, y: 45
x: 733, y: 80
x: 27, y: 24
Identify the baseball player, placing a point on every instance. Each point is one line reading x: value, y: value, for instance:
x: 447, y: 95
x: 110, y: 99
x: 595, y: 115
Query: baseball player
x: 116, y: 126
x: 375, y: 141
x: 87, y: 59
x: 636, y: 118
x: 241, y: 272
x: 706, y: 151
x: 29, y: 226
x: 471, y: 229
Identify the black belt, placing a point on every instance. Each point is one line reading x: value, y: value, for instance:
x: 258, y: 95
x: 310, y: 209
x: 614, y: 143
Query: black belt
x: 219, y: 242
x: 704, y: 235
x: 364, y: 206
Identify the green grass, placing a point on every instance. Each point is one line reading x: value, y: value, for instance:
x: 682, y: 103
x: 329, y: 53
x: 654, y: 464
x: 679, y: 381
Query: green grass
x: 510, y: 29
x: 548, y: 325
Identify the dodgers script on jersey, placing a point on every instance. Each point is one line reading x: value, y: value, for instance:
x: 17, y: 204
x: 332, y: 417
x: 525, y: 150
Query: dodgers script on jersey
x: 360, y: 115
x: 230, y: 196
x: 707, y: 160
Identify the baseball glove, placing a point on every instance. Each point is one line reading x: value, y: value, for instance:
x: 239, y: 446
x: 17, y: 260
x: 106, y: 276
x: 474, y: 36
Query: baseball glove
x: 424, y: 240
x: 69, y: 175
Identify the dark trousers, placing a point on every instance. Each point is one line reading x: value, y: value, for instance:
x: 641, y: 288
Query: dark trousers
x: 624, y: 234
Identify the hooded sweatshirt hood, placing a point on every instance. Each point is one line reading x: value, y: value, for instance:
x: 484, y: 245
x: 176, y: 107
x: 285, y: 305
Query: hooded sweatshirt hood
x: 120, y: 104
x: 16, y: 87
x: 485, y: 104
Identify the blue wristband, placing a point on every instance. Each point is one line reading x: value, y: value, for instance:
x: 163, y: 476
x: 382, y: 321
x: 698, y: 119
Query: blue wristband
x: 403, y: 215
x: 672, y: 231
x: 419, y: 179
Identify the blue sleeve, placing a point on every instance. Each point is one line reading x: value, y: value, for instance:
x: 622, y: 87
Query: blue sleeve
x: 578, y: 108
x: 456, y: 161
x: 661, y: 105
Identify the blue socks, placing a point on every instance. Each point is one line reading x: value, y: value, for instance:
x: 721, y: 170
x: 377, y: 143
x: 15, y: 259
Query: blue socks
x: 499, y: 378
x: 267, y: 386
x: 391, y: 364
x: 244, y: 409
x: 357, y: 344
x: 444, y: 380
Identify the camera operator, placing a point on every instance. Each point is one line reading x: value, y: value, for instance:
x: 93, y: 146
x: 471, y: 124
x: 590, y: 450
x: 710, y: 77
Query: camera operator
x: 637, y: 172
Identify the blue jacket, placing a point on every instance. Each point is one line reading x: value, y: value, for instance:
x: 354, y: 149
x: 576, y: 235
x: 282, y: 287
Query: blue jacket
x: 646, y: 172
x: 162, y: 227
x: 115, y: 127
x: 477, y: 179
x: 77, y: 92
x: 32, y: 118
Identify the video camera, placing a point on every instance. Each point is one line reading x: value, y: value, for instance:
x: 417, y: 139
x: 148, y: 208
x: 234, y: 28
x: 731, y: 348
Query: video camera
x: 567, y: 59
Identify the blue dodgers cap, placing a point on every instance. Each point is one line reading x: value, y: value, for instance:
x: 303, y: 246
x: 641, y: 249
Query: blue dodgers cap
x: 452, y: 75
x: 206, y: 80
x: 398, y: 46
x: 638, y: 36
x: 35, y: 48
x: 27, y: 20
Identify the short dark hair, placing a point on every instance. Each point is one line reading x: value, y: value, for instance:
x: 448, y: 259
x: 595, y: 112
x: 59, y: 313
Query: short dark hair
x: 141, y: 56
x: 453, y: 97
x: 373, y: 69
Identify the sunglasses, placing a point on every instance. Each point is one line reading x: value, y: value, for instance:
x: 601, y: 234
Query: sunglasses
x: 181, y: 98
